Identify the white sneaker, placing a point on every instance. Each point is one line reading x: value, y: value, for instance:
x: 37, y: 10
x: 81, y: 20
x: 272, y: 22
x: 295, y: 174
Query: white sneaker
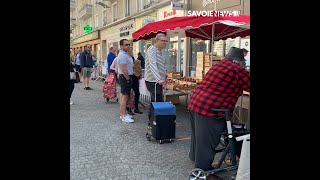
x: 127, y: 115
x: 71, y: 102
x: 127, y: 119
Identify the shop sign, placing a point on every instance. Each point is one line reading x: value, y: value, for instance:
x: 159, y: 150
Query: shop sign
x: 170, y: 13
x: 206, y: 2
x: 124, y: 34
x: 87, y: 29
x: 88, y: 37
x: 148, y: 20
x: 127, y: 27
x: 177, y: 6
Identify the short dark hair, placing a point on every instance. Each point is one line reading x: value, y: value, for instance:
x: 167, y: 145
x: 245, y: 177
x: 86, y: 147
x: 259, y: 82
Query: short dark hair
x: 139, y: 54
x: 121, y: 41
x: 110, y: 49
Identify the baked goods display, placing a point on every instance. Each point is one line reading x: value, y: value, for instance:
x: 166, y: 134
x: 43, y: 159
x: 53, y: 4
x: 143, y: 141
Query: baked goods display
x: 186, y: 83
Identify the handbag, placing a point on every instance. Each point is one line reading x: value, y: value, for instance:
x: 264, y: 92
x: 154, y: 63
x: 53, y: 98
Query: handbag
x: 73, y: 76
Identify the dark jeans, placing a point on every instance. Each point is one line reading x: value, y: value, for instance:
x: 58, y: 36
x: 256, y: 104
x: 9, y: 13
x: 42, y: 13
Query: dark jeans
x: 135, y: 87
x: 71, y: 87
x: 159, y: 94
x: 205, y: 137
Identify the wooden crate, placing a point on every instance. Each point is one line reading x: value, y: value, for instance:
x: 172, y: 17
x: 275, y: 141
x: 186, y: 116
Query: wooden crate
x: 174, y: 75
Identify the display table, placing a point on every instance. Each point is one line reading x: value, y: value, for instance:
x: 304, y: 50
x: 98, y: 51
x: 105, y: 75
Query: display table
x: 145, y: 95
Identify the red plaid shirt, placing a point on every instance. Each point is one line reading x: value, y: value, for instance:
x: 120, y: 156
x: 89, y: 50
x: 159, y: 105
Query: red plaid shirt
x: 220, y: 88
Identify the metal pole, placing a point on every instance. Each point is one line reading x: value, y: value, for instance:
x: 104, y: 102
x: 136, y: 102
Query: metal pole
x: 240, y: 109
x: 212, y: 39
x: 248, y: 121
x: 178, y: 68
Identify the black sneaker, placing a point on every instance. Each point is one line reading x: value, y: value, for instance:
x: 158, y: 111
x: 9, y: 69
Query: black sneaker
x: 138, y: 111
x: 89, y: 88
x: 130, y: 112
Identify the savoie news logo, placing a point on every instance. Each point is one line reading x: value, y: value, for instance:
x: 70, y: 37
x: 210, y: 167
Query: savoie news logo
x: 214, y: 13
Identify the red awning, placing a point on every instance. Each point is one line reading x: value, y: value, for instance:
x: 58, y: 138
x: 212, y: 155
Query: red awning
x: 197, y: 27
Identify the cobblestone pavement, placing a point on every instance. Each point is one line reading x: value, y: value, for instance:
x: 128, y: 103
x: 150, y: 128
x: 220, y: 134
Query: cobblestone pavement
x: 104, y: 147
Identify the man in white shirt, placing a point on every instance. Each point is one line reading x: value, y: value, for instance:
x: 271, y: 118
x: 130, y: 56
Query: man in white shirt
x: 155, y: 71
x: 125, y: 70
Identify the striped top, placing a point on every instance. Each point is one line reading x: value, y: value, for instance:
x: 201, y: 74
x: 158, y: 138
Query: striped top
x: 155, y: 65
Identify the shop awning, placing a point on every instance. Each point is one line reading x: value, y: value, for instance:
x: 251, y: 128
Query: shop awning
x: 197, y: 27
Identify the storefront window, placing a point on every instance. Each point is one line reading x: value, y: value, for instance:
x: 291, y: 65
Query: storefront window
x: 97, y: 49
x: 173, y: 64
x: 169, y: 53
x: 197, y: 46
x: 144, y: 45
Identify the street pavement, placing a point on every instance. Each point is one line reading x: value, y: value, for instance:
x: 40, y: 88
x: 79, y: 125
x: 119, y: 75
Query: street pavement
x: 104, y: 147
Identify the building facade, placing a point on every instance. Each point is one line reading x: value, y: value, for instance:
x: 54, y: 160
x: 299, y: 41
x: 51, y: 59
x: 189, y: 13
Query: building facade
x: 113, y: 20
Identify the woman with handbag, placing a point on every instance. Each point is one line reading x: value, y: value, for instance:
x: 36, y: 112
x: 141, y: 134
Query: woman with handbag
x: 73, y: 78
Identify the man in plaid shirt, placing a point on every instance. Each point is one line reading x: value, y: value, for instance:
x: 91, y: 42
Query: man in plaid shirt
x: 220, y: 89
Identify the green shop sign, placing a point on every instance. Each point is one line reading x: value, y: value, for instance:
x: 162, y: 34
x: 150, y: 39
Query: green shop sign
x: 124, y: 34
x: 87, y: 28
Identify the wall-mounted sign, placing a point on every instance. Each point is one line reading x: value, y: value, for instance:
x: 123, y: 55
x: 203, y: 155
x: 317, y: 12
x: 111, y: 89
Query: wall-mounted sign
x: 88, y: 37
x: 127, y: 27
x: 124, y: 34
x: 87, y: 28
x: 177, y: 6
x: 147, y: 20
x: 169, y: 13
x: 206, y: 2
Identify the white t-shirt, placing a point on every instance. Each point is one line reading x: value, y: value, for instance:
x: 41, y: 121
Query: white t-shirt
x: 124, y: 58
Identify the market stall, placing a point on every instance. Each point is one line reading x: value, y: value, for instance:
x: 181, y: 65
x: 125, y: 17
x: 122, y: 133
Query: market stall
x: 198, y: 27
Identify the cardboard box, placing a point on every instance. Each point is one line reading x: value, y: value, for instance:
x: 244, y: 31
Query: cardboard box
x: 200, y: 53
x: 199, y: 73
x: 215, y: 62
x: 174, y: 99
x: 217, y: 58
x: 174, y: 75
x: 209, y: 53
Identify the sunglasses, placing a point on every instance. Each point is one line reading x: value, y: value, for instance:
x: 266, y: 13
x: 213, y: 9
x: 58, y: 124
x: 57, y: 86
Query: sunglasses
x: 163, y: 40
x: 127, y: 45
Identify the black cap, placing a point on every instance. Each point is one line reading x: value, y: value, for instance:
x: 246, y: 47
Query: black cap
x: 245, y: 50
x: 235, y: 54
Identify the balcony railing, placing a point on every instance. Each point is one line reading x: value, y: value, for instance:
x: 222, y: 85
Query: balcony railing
x: 85, y: 12
x: 72, y: 5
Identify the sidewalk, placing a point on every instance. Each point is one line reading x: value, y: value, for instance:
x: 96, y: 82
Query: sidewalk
x: 104, y: 147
